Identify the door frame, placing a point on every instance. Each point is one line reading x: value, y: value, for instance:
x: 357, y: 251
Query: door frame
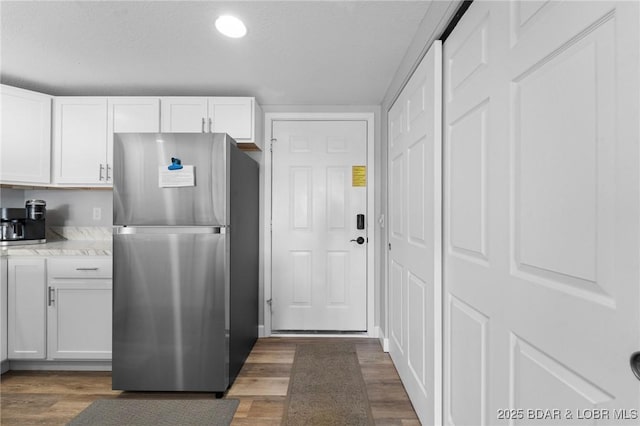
x: 269, y: 119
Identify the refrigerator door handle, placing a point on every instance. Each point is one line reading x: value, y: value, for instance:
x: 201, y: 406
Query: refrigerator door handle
x: 124, y: 230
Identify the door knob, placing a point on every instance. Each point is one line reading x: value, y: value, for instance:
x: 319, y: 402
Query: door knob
x: 635, y: 364
x: 359, y: 240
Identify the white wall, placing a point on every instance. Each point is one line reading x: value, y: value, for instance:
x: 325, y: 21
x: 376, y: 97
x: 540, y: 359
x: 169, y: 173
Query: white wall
x: 65, y: 207
x: 11, y: 198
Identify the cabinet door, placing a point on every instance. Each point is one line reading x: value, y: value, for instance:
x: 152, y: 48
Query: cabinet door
x: 26, y: 136
x: 26, y: 308
x: 80, y: 140
x: 232, y: 115
x: 3, y: 308
x: 130, y: 115
x: 79, y: 319
x: 184, y: 115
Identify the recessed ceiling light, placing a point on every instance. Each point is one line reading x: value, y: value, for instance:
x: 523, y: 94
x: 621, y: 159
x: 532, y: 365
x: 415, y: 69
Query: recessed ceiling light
x: 231, y: 26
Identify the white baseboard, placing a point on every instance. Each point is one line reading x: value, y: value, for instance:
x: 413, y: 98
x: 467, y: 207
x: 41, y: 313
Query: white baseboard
x: 354, y: 335
x: 383, y: 340
x: 61, y: 365
x: 376, y: 333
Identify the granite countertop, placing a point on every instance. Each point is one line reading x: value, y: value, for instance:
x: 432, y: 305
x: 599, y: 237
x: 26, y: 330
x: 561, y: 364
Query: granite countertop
x: 67, y: 241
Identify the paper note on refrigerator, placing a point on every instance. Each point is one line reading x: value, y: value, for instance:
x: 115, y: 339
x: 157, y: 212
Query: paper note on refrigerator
x: 176, y: 178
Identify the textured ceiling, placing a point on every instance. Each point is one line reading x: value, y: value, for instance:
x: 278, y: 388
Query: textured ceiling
x: 296, y: 52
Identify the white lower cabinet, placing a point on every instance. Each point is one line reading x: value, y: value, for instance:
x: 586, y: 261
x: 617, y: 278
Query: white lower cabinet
x: 79, y: 309
x: 3, y: 309
x: 59, y: 308
x: 26, y: 308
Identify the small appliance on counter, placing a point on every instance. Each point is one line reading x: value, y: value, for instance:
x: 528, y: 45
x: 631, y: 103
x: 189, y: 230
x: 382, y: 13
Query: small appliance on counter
x: 23, y: 226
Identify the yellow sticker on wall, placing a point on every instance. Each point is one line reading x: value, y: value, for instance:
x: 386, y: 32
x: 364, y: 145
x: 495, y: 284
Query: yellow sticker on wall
x: 358, y: 175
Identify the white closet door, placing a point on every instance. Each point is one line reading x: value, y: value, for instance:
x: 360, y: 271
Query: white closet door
x: 542, y: 185
x: 415, y: 236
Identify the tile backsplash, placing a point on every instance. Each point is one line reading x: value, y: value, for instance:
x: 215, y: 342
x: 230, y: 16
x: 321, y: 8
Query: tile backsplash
x: 79, y: 233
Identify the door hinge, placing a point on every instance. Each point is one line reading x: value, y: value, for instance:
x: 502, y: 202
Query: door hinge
x: 269, y: 302
x: 389, y: 246
x: 272, y: 141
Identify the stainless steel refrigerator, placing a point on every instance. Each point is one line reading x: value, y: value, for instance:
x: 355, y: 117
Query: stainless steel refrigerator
x: 185, y: 269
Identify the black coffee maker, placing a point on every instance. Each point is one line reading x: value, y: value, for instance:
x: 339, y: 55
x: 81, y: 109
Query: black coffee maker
x: 23, y: 226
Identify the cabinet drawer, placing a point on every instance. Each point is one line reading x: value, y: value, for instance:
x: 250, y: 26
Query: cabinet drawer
x: 79, y: 268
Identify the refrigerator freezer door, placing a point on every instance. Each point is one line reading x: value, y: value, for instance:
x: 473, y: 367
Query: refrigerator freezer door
x: 140, y: 195
x: 170, y: 319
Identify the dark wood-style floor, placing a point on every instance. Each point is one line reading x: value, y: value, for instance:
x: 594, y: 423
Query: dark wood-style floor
x: 54, y: 398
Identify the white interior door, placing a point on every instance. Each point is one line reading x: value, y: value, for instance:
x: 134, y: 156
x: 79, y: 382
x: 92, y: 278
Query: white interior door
x: 541, y: 213
x: 318, y: 272
x: 415, y: 236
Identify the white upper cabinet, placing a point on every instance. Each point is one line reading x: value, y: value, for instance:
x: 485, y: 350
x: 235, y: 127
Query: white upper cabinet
x: 83, y: 134
x: 130, y: 115
x: 184, y: 115
x: 73, y: 144
x: 25, y: 148
x: 240, y: 117
x: 80, y: 140
x: 234, y: 116
x: 134, y: 115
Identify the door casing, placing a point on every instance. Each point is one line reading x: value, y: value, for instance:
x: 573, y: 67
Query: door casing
x: 270, y: 117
